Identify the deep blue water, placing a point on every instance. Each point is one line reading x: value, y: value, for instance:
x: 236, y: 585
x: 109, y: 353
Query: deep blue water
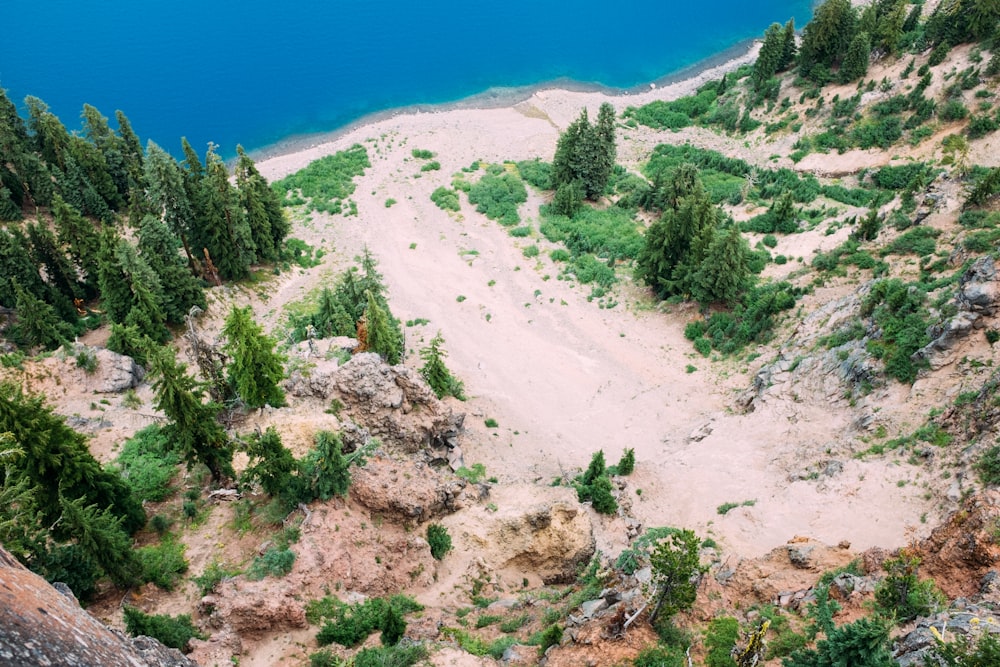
x: 257, y: 72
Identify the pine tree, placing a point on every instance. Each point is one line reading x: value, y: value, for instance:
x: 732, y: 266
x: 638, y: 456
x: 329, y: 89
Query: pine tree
x: 268, y: 225
x: 180, y: 288
x: 45, y: 253
x: 826, y: 38
x: 676, y: 573
x: 788, y: 48
x: 782, y: 213
x: 271, y: 463
x: 193, y: 428
x: 328, y: 469
x: 111, y: 148
x: 48, y: 134
x: 82, y: 242
x: 225, y: 232
x: 101, y: 538
x: 436, y: 373
x: 770, y: 56
x: 255, y: 368
x: 168, y: 195
x: 58, y: 464
x: 724, y: 274
x: 383, y: 337
x: 131, y: 292
x: 393, y: 626
x: 37, y: 322
x: 586, y: 153
x: 855, y: 63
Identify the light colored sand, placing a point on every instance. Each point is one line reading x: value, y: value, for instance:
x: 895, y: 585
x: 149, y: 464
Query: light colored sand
x: 565, y: 378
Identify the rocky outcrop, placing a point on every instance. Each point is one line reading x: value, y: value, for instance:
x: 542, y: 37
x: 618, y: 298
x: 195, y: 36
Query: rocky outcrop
x: 978, y: 296
x: 963, y: 550
x: 252, y: 608
x: 551, y: 540
x: 41, y: 626
x: 961, y: 620
x: 409, y: 491
x: 393, y: 403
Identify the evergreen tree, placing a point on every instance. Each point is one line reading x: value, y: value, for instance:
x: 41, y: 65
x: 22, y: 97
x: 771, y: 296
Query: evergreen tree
x: 782, y: 214
x: 169, y: 196
x: 111, y: 148
x: 82, y: 242
x: 268, y: 225
x: 724, y: 274
x: 180, y: 288
x: 45, y: 253
x: 58, y: 464
x: 676, y: 573
x: 225, y: 231
x: 788, y: 47
x: 16, y: 266
x: 48, y: 134
x: 393, y: 626
x: 827, y: 36
x: 676, y: 244
x: 193, y: 429
x: 436, y: 373
x: 128, y: 340
x: 327, y: 468
x: 568, y: 199
x: 255, y: 369
x: 383, y: 337
x: 101, y: 539
x: 586, y: 153
x: 864, y: 643
x: 37, y: 322
x: 73, y: 185
x: 96, y: 173
x: 271, y: 463
x: 855, y: 63
x: 770, y: 56
x: 131, y: 292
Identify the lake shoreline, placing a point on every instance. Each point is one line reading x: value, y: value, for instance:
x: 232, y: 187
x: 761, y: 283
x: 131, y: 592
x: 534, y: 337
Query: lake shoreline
x: 670, y: 86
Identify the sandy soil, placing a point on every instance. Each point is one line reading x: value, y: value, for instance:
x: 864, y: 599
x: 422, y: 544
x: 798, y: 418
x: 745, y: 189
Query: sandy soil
x: 564, y: 377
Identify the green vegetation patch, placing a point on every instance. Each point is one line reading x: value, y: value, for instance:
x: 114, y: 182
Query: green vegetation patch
x: 350, y: 624
x: 326, y: 182
x: 497, y: 196
x: 148, y: 464
x: 446, y: 199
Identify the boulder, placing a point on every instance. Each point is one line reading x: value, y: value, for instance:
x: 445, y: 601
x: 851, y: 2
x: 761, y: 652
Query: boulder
x: 253, y: 608
x: 407, y: 490
x: 41, y: 626
x: 393, y: 403
x: 978, y: 289
x: 549, y: 540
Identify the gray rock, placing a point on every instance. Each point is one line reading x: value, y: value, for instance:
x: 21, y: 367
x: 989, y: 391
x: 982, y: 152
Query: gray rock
x: 644, y: 576
x: 800, y: 555
x: 591, y: 607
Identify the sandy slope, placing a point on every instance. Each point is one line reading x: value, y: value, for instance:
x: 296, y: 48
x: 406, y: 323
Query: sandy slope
x: 564, y: 377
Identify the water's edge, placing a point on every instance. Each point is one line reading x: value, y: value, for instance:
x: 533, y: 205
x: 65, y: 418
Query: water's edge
x: 497, y: 98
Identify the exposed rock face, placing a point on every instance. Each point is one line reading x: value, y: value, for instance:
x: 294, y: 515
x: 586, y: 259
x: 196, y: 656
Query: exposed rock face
x: 960, y: 552
x: 408, y: 491
x: 252, y: 608
x: 41, y: 626
x: 393, y: 403
x: 551, y: 540
x: 962, y: 619
x: 978, y: 296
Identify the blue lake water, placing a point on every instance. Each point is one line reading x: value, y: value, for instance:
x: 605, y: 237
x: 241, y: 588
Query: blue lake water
x: 257, y: 73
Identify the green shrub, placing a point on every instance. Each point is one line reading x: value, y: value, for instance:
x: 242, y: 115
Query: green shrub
x: 953, y: 110
x: 215, y: 572
x: 770, y: 241
x: 421, y: 154
x: 626, y: 464
x: 163, y: 563
x: 901, y: 595
x: 720, y: 637
x: 390, y: 656
x: 661, y: 656
x: 898, y: 310
x: 917, y: 241
x: 439, y: 540
x: 988, y: 466
x: 560, y: 255
x: 967, y: 651
x: 172, y: 631
x: 520, y: 232
x: 446, y: 199
x: 864, y: 643
x: 536, y: 173
x: 276, y: 562
x: 148, y: 463
x: 531, y: 251
x: 324, y: 658
x: 325, y: 182
x: 431, y: 166
x: 498, y: 196
x: 349, y: 625
x: 550, y: 636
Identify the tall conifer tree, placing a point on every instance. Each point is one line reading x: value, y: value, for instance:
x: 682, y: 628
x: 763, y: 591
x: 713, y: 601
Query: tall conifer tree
x: 268, y: 225
x: 255, y: 367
